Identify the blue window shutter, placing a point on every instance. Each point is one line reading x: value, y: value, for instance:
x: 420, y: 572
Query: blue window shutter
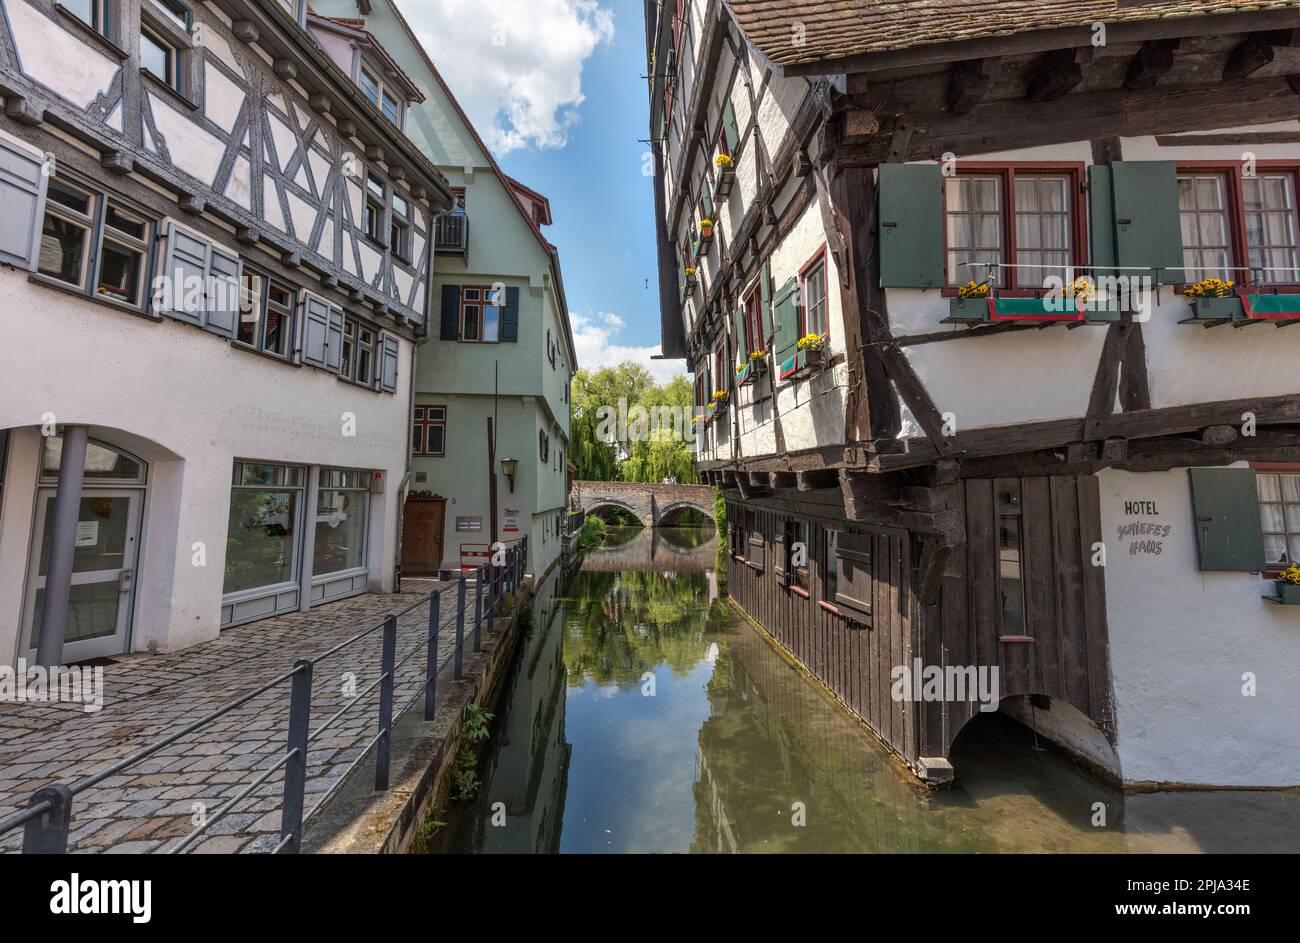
x: 388, y: 365
x: 509, y: 330
x: 224, y: 283
x: 1148, y: 229
x: 450, y: 313
x: 315, y: 330
x: 23, y: 182
x: 334, y: 341
x: 183, y: 293
x: 1101, y: 220
x: 786, y: 313
x: 911, y: 226
x: 1225, y: 507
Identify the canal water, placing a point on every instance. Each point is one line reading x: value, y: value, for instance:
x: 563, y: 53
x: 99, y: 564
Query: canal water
x: 644, y: 714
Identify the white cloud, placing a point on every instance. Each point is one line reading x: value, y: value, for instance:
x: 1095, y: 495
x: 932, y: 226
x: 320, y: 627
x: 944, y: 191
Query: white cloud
x: 596, y: 339
x: 515, y: 66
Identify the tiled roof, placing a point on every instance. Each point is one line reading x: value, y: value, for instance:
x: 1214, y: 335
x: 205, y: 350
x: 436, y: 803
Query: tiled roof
x: 832, y: 29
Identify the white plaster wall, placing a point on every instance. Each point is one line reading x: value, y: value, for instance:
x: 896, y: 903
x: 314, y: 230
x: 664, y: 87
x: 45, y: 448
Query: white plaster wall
x: 190, y: 403
x: 57, y: 58
x: 1021, y: 376
x: 1181, y: 641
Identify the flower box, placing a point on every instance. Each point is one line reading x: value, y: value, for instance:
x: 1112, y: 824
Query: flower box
x: 722, y: 186
x: 802, y: 364
x: 1035, y: 309
x: 690, y: 285
x: 1271, y: 307
x: 1288, y: 593
x: 968, y: 309
x: 751, y: 371
x: 702, y: 243
x: 1217, y: 309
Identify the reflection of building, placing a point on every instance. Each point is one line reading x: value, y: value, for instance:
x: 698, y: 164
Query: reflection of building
x: 217, y: 254
x: 502, y: 348
x: 529, y: 764
x: 1070, y: 493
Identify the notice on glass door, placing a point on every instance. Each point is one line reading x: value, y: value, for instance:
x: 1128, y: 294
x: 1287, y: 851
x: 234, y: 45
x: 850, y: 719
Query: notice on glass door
x: 87, y: 533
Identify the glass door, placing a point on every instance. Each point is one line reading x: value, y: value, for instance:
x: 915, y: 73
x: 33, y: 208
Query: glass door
x: 103, y: 573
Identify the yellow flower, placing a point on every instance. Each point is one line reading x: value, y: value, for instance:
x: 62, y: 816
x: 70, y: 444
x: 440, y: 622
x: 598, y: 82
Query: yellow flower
x: 1291, y: 574
x: 973, y: 289
x: 755, y: 355
x: 811, y: 342
x: 1080, y: 290
x: 1209, y: 288
x: 723, y: 161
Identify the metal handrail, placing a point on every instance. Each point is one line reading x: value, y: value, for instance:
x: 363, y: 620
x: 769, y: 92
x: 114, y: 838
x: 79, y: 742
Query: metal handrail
x: 47, y: 819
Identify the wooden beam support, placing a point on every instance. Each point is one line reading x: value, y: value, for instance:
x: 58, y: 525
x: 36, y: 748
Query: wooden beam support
x: 117, y: 162
x: 374, y: 152
x: 22, y: 111
x: 777, y: 480
x: 967, y: 83
x: 1251, y: 55
x: 346, y: 127
x: 816, y: 480
x: 286, y: 69
x: 1153, y: 60
x: 192, y: 203
x: 1054, y: 76
x: 319, y: 102
x: 247, y: 235
x: 1219, y: 435
x: 245, y: 31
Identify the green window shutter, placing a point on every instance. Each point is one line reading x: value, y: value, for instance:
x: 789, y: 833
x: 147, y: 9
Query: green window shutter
x: 911, y: 226
x: 1101, y: 220
x: 509, y: 330
x: 706, y: 195
x: 742, y: 342
x: 1148, y: 231
x: 765, y: 301
x: 1225, y: 508
x: 730, y: 133
x: 450, y: 327
x: 786, y: 313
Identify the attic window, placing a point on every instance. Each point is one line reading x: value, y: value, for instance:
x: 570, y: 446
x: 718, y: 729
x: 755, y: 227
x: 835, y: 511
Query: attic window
x: 380, y: 96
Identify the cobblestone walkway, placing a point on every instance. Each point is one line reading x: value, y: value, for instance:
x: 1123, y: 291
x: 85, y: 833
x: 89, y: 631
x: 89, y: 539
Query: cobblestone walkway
x: 150, y: 806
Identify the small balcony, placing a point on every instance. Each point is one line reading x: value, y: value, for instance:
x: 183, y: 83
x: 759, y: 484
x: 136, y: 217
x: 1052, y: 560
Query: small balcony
x: 451, y: 234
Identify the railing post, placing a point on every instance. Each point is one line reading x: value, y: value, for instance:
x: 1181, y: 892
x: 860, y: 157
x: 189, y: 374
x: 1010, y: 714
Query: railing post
x: 384, y: 748
x: 458, y: 654
x: 478, y: 607
x: 48, y: 834
x: 295, y: 770
x: 431, y: 661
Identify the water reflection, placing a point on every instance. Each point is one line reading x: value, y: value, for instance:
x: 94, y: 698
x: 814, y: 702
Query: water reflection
x: 646, y: 715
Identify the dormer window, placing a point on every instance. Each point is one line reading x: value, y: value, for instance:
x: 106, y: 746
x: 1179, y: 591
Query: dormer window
x: 381, y: 96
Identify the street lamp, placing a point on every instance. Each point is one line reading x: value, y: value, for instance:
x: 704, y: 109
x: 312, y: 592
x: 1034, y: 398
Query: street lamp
x: 509, y: 467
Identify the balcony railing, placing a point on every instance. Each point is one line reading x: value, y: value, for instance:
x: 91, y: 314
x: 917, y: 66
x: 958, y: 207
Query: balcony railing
x: 451, y: 234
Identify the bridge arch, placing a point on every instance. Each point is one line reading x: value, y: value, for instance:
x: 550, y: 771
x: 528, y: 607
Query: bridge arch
x: 654, y: 505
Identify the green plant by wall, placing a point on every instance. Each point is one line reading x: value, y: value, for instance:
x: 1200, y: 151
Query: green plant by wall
x: 473, y: 731
x: 720, y: 519
x: 592, y: 534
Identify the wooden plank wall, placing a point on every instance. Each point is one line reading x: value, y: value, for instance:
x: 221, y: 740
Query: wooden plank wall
x: 1064, y: 608
x: 852, y: 659
x: 1065, y: 605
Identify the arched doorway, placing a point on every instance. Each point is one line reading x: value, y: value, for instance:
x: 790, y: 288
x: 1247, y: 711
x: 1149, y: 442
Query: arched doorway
x: 101, y: 598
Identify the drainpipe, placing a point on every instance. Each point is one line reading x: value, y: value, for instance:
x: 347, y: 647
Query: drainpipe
x: 63, y: 545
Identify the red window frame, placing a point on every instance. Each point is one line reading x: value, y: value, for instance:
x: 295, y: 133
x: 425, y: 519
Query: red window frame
x: 1273, y: 570
x: 1236, y: 193
x: 1007, y: 172
x: 818, y: 256
x: 720, y: 365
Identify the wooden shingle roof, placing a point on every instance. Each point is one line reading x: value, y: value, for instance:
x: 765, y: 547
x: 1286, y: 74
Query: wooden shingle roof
x: 835, y: 29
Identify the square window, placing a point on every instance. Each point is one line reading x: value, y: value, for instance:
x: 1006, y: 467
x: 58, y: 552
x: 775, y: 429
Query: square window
x: 159, y: 57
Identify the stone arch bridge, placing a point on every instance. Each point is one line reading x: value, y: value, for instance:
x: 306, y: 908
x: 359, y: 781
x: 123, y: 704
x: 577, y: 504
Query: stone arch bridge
x: 652, y: 505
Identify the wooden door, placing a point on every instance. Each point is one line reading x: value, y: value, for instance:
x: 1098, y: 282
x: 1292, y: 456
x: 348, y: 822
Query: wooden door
x: 422, y: 535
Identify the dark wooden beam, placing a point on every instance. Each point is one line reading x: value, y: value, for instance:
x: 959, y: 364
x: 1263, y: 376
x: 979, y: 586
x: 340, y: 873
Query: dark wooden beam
x: 247, y: 235
x: 319, y: 102
x: 781, y: 480
x: 286, y: 69
x: 967, y: 83
x: 192, y: 203
x: 816, y: 480
x: 1153, y: 60
x: 23, y: 111
x: 374, y: 152
x: 117, y: 162
x: 1251, y: 55
x: 347, y: 127
x: 1054, y: 76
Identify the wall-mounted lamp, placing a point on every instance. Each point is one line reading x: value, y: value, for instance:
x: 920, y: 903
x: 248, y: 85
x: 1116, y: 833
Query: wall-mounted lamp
x: 509, y: 467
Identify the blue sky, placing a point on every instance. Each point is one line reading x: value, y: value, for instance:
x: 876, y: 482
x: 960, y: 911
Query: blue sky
x: 556, y: 90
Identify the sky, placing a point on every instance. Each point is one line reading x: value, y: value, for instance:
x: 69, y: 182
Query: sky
x: 555, y: 87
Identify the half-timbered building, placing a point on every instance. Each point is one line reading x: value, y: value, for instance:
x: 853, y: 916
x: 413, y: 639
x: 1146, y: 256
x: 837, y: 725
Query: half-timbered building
x: 944, y: 454
x: 216, y: 247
